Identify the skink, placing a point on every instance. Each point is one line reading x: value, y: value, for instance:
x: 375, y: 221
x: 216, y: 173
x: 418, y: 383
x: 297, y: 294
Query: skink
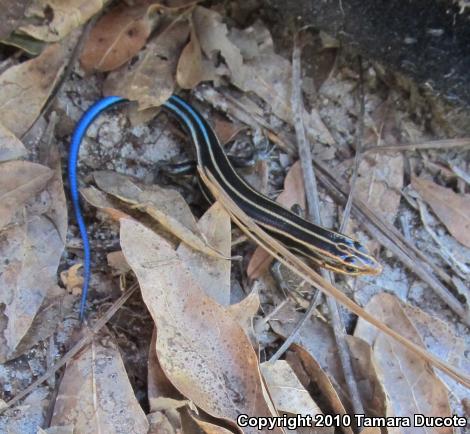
x: 324, y: 247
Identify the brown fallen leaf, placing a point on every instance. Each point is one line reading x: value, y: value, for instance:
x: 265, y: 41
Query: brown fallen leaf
x: 293, y: 194
x: 150, y: 81
x: 11, y: 148
x: 244, y: 312
x: 95, y: 394
x: 262, y: 72
x: 101, y: 201
x: 289, y: 396
x: 202, y: 350
x: 19, y: 182
x: 72, y: 279
x: 225, y: 130
x: 210, y: 428
x: 318, y: 376
x: 32, y: 251
x: 211, y: 274
x: 373, y: 396
x: 12, y: 16
x: 213, y: 38
x: 167, y: 206
x: 118, y: 36
x: 117, y: 262
x: 411, y: 386
x: 452, y: 209
x: 158, y: 385
x: 193, y: 67
x: 440, y: 339
x: 379, y: 183
x: 24, y: 88
x: 59, y: 17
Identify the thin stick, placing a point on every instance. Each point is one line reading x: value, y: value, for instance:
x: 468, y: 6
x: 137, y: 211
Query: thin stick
x: 433, y: 144
x: 85, y: 340
x: 313, y: 201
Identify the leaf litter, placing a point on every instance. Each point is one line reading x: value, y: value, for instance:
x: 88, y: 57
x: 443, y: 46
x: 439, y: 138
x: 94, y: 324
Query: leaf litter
x: 186, y: 50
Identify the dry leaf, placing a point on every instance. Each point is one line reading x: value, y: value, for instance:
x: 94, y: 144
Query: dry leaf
x: 266, y: 74
x: 293, y: 194
x: 288, y: 394
x: 12, y: 15
x: 150, y: 80
x: 158, y: 384
x: 202, y: 350
x: 19, y: 182
x: 72, y: 279
x: 117, y: 262
x: 95, y: 394
x: 59, y: 17
x: 213, y: 39
x: 317, y: 338
x: 211, y: 274
x: 210, y: 428
x: 226, y: 131
x: 192, y: 67
x: 117, y: 37
x: 32, y: 251
x: 373, y: 396
x: 379, y: 183
x: 31, y: 199
x: 244, y: 312
x: 167, y: 206
x: 24, y: 88
x: 440, y: 339
x: 318, y: 376
x: 101, y: 201
x: 452, y: 209
x: 410, y: 384
x: 10, y: 147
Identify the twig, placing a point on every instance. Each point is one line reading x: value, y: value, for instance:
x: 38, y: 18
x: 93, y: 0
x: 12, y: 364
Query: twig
x: 433, y: 144
x: 85, y: 340
x: 313, y: 201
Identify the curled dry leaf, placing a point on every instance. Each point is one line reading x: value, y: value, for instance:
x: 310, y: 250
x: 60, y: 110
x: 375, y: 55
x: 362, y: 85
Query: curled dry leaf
x: 24, y: 88
x: 213, y: 38
x: 72, y: 279
x: 10, y: 147
x: 411, y: 385
x: 164, y: 205
x: 372, y: 393
x: 318, y: 376
x: 289, y: 396
x: 452, y: 209
x: 210, y: 273
x: 192, y: 67
x: 66, y: 15
x: 202, y: 350
x: 150, y: 80
x: 95, y: 394
x: 244, y: 312
x: 293, y: 194
x: 118, y: 36
x: 101, y: 201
